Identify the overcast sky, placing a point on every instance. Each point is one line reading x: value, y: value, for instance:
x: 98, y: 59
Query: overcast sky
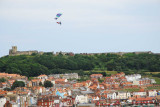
x: 89, y: 26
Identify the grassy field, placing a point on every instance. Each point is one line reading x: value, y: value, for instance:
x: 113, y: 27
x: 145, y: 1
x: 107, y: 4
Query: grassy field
x: 131, y: 89
x: 156, y: 79
x: 152, y: 72
x: 108, y: 72
x: 157, y: 88
x: 111, y: 72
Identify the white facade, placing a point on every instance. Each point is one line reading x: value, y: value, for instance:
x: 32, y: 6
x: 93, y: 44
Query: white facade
x: 128, y: 94
x: 53, y: 82
x: 65, y: 80
x: 70, y: 76
x: 153, y: 81
x: 81, y: 99
x: 112, y: 95
x: 123, y: 95
x: 33, y: 100
x: 40, y: 90
x: 14, y: 104
x: 18, y: 101
x: 140, y: 93
x: 152, y: 93
x: 2, y: 101
x: 133, y: 77
x: 56, y: 101
x: 69, y: 92
x: 43, y: 77
x: 135, y: 82
x: 95, y: 98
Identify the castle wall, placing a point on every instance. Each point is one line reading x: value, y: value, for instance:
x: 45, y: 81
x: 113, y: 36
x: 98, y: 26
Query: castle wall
x: 14, y: 52
x: 25, y: 52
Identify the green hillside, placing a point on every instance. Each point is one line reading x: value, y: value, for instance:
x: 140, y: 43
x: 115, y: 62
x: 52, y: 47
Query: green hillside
x: 47, y: 63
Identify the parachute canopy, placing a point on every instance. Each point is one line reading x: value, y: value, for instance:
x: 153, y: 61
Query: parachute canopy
x: 58, y: 15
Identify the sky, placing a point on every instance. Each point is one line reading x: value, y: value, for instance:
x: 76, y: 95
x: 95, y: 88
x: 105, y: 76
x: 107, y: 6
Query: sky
x: 88, y: 26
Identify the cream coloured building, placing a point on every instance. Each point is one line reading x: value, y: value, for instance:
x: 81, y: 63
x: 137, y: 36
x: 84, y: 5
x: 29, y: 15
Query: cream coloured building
x: 81, y: 99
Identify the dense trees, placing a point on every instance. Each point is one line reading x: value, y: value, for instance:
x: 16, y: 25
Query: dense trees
x: 18, y: 84
x: 48, y: 84
x: 40, y: 84
x: 2, y: 79
x: 35, y: 64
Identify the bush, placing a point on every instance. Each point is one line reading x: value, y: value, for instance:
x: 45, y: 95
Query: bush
x: 48, y: 84
x: 18, y: 84
x: 2, y: 79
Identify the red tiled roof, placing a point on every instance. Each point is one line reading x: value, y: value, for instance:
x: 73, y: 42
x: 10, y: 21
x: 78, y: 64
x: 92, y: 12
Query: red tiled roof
x: 35, y: 80
x: 60, y: 80
x: 42, y: 75
x: 144, y: 99
x: 96, y: 75
x: 12, y: 75
x: 4, y: 83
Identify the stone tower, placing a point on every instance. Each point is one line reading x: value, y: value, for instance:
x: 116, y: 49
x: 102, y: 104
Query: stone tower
x: 14, y: 49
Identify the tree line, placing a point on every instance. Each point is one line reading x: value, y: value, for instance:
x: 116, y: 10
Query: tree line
x: 34, y: 65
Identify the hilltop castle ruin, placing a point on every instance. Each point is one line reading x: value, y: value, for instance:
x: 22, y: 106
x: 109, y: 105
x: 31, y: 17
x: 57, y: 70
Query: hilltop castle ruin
x: 14, y: 52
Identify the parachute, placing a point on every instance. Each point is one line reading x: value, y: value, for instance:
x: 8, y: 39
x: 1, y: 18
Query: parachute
x: 57, y: 16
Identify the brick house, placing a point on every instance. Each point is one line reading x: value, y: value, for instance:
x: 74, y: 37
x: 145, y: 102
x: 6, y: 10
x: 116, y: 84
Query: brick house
x: 48, y: 101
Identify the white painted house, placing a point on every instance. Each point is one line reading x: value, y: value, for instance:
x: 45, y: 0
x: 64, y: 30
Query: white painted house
x: 133, y: 77
x: 111, y: 95
x: 123, y: 95
x: 2, y: 101
x: 42, y: 77
x: 81, y: 99
x: 152, y: 93
x: 95, y: 98
x: 53, y: 82
x: 153, y: 81
x: 142, y: 93
x: 135, y: 82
